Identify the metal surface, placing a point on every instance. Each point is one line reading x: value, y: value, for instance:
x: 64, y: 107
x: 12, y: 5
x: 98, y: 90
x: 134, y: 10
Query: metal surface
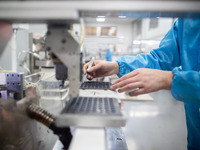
x: 2, y: 78
x: 91, y: 112
x: 44, y: 63
x: 88, y: 139
x: 18, y: 132
x: 157, y: 125
x: 95, y: 85
x: 115, y: 139
x: 15, y: 85
x: 31, y: 57
x: 64, y: 46
x: 40, y: 12
x: 67, y: 11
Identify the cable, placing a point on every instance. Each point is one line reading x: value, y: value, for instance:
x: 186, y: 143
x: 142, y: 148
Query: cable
x: 23, y: 62
x: 48, y: 120
x: 34, y: 74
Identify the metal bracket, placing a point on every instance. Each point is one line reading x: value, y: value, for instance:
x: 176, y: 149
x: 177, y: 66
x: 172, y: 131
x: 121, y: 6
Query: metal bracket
x: 64, y: 46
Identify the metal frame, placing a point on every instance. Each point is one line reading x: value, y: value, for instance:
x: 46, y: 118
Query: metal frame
x: 68, y: 11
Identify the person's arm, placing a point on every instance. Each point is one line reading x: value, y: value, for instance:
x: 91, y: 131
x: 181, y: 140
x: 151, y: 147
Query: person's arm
x: 166, y: 57
x: 186, y: 85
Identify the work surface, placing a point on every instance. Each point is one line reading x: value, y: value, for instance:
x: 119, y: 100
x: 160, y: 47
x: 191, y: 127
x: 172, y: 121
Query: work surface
x: 155, y: 125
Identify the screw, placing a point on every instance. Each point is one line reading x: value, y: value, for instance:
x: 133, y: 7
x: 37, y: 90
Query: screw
x: 63, y: 41
x: 119, y: 139
x: 48, y: 48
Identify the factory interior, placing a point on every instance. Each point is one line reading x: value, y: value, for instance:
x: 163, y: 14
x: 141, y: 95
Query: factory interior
x: 47, y: 102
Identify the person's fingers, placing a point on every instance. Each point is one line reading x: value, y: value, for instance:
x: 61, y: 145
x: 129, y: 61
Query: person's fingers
x: 94, y: 68
x: 137, y: 92
x: 119, y: 84
x: 129, y: 87
x: 85, y: 68
x: 89, y: 77
x: 129, y: 75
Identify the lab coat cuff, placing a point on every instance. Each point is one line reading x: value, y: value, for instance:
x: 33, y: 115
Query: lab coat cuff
x: 175, y: 82
x: 121, y: 66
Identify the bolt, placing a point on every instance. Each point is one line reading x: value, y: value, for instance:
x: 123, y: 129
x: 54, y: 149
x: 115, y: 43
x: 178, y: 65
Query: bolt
x: 48, y: 48
x: 63, y: 41
x: 119, y: 139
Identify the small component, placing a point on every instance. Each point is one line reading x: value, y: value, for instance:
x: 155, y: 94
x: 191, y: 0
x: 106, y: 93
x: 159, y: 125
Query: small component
x: 15, y: 85
x: 95, y: 85
x: 61, y: 72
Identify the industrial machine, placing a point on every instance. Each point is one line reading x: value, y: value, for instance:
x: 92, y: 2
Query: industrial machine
x: 93, y: 112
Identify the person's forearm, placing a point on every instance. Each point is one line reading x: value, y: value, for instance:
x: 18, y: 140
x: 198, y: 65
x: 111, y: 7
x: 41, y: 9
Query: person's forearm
x: 167, y: 80
x: 115, y: 68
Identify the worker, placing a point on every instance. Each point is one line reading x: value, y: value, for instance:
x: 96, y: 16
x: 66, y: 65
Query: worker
x: 109, y: 55
x: 175, y: 65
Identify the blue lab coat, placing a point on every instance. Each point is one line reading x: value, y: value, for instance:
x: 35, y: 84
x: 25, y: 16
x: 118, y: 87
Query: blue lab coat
x: 180, y: 48
x: 109, y: 55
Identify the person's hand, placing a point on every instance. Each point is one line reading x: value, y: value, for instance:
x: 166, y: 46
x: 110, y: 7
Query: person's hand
x: 145, y: 80
x: 100, y: 68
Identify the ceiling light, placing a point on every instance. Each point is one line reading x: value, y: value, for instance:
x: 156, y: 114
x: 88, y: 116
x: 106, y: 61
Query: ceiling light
x: 121, y: 16
x: 100, y: 16
x: 100, y: 19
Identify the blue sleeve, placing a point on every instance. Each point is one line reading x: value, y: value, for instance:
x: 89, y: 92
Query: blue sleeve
x: 186, y: 85
x: 166, y: 57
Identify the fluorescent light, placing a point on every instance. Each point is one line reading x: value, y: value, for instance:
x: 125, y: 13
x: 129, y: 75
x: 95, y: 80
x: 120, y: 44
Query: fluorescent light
x: 150, y: 42
x: 100, y: 16
x: 121, y: 16
x: 136, y: 42
x: 100, y: 19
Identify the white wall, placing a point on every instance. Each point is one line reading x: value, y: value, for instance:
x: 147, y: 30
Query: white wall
x: 164, y: 24
x: 150, y: 38
x: 158, y: 33
x: 124, y: 33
